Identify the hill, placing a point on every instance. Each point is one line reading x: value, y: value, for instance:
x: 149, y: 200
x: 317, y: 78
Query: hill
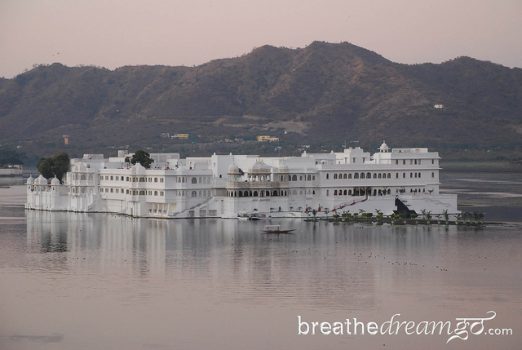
x: 321, y: 95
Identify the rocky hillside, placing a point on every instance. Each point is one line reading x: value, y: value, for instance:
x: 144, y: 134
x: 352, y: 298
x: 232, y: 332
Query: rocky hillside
x: 323, y: 94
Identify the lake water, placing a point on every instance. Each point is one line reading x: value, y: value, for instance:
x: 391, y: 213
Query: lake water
x: 97, y: 281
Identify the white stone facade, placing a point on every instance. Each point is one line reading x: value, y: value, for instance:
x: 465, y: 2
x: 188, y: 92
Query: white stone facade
x: 227, y: 185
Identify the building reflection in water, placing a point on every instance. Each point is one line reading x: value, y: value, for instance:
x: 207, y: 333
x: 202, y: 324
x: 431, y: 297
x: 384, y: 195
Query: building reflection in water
x: 330, y: 265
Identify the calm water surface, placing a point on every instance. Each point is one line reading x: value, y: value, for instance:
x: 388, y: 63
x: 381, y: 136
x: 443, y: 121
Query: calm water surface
x: 96, y: 281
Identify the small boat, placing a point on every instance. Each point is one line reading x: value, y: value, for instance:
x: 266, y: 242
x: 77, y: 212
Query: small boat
x: 276, y: 229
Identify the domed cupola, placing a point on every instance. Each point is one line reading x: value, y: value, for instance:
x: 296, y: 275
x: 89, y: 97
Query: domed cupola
x: 384, y: 147
x: 30, y: 180
x: 234, y: 170
x: 40, y: 180
x: 260, y: 168
x: 55, y: 181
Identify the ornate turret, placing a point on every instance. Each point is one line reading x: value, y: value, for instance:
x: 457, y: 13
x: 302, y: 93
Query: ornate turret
x: 55, y: 181
x: 260, y: 168
x: 384, y: 147
x: 233, y: 170
x: 40, y: 180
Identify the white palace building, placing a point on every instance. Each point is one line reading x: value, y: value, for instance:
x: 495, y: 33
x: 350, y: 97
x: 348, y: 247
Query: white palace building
x: 228, y: 186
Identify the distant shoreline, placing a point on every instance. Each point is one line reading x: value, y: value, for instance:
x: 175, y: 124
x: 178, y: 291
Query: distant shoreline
x: 481, y: 166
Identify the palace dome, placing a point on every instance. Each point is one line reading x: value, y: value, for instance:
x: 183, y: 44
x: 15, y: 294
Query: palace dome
x: 30, y: 180
x: 233, y: 170
x: 260, y: 167
x: 55, y: 181
x: 40, y: 180
x: 384, y: 147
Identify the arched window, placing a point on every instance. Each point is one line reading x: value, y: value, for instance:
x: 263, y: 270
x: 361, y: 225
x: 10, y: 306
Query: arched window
x: 369, y: 175
x: 362, y: 175
x: 335, y: 192
x: 194, y: 180
x: 349, y: 192
x: 389, y: 175
x: 294, y: 178
x: 274, y: 193
x: 350, y: 175
x: 327, y: 176
x: 267, y: 193
x: 335, y: 176
x: 345, y: 192
x: 380, y: 175
x: 240, y: 193
x: 194, y: 194
x: 356, y: 176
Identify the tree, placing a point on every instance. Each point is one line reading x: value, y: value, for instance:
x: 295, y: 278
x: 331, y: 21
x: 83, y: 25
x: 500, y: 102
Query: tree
x: 61, y: 165
x: 143, y: 158
x: 57, y: 165
x: 45, y: 167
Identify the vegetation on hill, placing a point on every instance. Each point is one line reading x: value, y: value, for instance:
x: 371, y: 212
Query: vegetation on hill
x: 322, y: 95
x: 11, y: 156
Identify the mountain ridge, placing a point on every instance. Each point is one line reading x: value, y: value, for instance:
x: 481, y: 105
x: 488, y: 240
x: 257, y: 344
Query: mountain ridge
x: 322, y: 94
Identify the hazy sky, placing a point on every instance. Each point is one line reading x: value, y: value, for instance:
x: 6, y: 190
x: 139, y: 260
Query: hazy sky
x: 129, y: 32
